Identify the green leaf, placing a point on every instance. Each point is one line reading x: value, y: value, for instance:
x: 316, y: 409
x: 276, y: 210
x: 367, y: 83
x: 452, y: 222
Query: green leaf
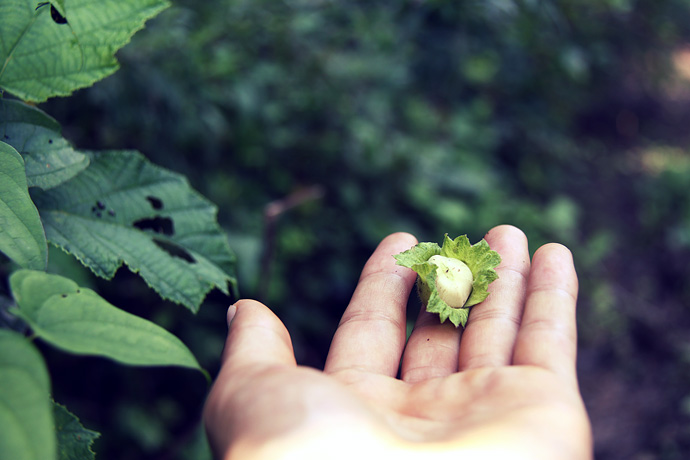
x: 480, y: 259
x: 21, y: 233
x: 42, y: 57
x: 49, y: 158
x: 79, y: 321
x: 26, y: 415
x: 31, y: 291
x: 125, y: 209
x: 73, y: 440
x: 418, y: 254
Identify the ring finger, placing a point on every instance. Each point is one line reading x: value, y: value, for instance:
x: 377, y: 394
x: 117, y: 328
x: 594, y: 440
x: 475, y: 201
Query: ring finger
x: 432, y: 349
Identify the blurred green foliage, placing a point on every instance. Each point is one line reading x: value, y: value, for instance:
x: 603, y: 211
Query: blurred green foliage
x: 566, y: 118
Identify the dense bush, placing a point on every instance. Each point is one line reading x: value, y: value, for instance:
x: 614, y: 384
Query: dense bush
x: 565, y: 118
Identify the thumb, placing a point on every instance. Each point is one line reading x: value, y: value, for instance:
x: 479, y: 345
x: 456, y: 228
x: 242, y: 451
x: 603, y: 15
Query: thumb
x: 256, y: 337
x: 257, y: 340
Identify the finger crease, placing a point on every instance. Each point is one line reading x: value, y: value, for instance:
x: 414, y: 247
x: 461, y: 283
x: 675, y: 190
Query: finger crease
x: 493, y: 315
x: 369, y: 316
x: 551, y: 291
x: 517, y: 271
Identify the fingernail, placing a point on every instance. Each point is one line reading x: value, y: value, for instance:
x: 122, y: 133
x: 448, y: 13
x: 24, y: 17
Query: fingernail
x: 232, y: 309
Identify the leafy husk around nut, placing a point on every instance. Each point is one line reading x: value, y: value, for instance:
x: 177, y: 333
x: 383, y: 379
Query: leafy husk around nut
x: 480, y: 259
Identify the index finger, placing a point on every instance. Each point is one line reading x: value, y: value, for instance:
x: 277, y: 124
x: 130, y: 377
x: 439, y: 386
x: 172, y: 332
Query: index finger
x: 372, y: 332
x: 548, y: 334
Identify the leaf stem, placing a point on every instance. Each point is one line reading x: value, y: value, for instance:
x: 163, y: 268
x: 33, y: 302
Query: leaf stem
x: 272, y: 213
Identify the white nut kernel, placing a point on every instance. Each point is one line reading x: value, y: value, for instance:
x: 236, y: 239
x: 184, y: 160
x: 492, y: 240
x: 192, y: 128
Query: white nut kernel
x: 453, y: 280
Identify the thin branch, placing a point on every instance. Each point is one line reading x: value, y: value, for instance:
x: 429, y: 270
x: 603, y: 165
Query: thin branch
x: 272, y: 213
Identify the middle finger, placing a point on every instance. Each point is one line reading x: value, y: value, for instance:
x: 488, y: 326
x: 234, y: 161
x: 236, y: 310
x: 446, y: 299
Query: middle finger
x: 492, y: 327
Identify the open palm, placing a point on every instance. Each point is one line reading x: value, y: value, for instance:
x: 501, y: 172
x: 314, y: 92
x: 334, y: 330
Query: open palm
x: 505, y: 387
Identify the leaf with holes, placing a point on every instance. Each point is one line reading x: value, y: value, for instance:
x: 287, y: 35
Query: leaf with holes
x: 53, y: 48
x: 21, y: 232
x: 26, y: 413
x: 50, y: 160
x: 124, y: 209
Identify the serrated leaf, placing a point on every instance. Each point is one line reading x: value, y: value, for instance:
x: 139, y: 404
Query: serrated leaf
x: 124, y: 209
x: 50, y: 160
x: 418, y: 254
x: 26, y: 414
x: 480, y: 259
x: 80, y: 321
x: 44, y: 55
x: 73, y: 440
x: 21, y: 233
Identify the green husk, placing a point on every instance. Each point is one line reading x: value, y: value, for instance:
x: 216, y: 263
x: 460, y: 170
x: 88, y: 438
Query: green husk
x: 481, y: 260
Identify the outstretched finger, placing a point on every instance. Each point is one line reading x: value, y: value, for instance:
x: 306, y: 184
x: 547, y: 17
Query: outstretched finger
x: 371, y: 333
x: 548, y: 334
x: 257, y: 342
x: 493, y: 325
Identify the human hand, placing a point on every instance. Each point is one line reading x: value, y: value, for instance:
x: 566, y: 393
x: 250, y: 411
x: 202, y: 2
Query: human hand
x: 505, y: 387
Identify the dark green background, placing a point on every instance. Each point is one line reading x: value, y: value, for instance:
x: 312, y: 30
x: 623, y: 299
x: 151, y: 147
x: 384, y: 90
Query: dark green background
x: 568, y: 119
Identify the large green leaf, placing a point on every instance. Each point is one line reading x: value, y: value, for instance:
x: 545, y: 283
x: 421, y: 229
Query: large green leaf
x: 49, y: 158
x: 79, y: 321
x: 21, y: 233
x: 54, y: 49
x: 73, y: 440
x: 125, y: 209
x: 26, y: 413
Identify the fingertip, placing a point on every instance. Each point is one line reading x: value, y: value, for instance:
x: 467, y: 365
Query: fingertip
x: 253, y: 309
x: 554, y: 262
x: 511, y: 243
x: 251, y: 313
x: 382, y: 259
x: 401, y: 239
x: 554, y: 250
x: 506, y: 230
